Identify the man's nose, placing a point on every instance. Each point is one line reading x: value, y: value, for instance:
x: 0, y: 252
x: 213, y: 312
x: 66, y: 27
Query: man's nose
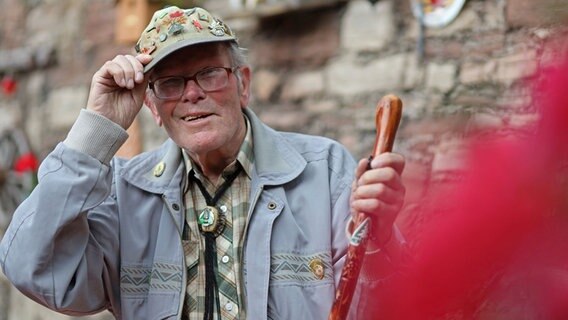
x: 193, y: 91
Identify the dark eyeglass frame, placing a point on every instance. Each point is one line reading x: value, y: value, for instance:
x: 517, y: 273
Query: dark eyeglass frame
x: 195, y: 78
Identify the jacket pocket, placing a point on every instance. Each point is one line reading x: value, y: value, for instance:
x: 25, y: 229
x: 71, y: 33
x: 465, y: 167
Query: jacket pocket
x: 309, y: 302
x: 303, y: 280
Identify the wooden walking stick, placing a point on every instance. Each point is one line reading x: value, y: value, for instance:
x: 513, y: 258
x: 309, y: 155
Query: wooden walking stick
x: 387, y: 118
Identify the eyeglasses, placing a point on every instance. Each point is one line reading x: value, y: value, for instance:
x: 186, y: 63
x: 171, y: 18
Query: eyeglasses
x: 210, y: 79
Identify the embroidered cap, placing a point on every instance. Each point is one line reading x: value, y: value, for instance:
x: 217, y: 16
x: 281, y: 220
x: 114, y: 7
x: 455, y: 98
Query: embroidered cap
x: 173, y: 28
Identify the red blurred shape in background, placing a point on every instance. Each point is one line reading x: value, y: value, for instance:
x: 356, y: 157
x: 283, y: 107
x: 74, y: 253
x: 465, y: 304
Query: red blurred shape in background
x: 497, y: 245
x: 26, y: 162
x: 8, y: 85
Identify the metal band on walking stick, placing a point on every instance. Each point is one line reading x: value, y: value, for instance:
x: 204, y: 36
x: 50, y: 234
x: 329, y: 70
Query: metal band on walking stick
x: 387, y: 118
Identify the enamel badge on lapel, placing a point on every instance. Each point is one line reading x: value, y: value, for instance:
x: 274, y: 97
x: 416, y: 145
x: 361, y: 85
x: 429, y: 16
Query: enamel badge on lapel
x: 159, y: 169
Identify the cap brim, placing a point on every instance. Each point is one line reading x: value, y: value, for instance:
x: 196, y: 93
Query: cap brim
x: 179, y: 45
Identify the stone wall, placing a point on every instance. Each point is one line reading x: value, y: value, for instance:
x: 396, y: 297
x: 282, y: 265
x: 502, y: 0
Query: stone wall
x: 318, y: 70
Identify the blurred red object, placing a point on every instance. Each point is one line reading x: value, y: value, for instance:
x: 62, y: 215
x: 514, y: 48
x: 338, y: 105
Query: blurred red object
x: 8, y: 85
x: 26, y: 162
x: 496, y: 246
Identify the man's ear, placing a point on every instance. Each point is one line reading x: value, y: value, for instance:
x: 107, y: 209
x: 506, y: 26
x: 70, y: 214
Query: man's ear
x: 245, y: 80
x: 149, y: 102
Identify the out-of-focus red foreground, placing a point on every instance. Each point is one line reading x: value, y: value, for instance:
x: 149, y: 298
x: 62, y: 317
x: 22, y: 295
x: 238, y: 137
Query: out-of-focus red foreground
x: 496, y: 246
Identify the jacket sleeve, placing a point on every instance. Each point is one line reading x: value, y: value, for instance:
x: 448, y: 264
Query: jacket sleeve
x: 61, y: 248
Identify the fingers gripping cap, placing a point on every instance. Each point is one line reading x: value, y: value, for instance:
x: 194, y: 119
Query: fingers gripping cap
x: 173, y: 28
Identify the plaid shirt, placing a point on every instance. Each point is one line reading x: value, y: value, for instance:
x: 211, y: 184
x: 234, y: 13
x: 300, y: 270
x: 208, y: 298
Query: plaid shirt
x: 234, y: 204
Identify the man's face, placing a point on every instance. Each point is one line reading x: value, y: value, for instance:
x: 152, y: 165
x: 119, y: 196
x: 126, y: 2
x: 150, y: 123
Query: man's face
x: 202, y: 122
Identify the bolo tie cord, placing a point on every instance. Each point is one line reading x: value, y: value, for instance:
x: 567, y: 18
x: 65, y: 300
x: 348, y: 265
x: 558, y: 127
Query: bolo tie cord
x: 211, y: 288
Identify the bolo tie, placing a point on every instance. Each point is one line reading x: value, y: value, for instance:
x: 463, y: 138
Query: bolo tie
x: 211, y: 224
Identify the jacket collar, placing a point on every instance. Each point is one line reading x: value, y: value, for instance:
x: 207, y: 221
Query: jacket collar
x: 276, y: 161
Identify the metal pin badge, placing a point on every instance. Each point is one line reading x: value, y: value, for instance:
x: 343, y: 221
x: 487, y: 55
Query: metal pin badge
x: 197, y: 25
x: 217, y: 28
x: 317, y: 267
x: 189, y: 12
x: 159, y: 169
x: 175, y: 29
x: 202, y: 17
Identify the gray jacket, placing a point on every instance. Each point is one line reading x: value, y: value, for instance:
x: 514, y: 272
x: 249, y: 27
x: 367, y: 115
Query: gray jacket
x: 104, y: 233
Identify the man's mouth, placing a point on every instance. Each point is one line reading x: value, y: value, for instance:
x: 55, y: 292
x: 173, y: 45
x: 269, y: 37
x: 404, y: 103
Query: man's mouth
x: 191, y: 118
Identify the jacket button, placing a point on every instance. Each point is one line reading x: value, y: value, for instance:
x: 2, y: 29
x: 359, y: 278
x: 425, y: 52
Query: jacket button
x: 175, y: 206
x: 271, y: 205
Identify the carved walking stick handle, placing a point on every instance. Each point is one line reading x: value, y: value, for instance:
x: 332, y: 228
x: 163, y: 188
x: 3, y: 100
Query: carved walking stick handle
x: 387, y: 118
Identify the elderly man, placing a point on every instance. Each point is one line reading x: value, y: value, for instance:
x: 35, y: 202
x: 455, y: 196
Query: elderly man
x: 228, y: 219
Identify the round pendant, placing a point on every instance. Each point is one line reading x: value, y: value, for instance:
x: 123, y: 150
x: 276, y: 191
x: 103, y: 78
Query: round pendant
x: 210, y: 220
